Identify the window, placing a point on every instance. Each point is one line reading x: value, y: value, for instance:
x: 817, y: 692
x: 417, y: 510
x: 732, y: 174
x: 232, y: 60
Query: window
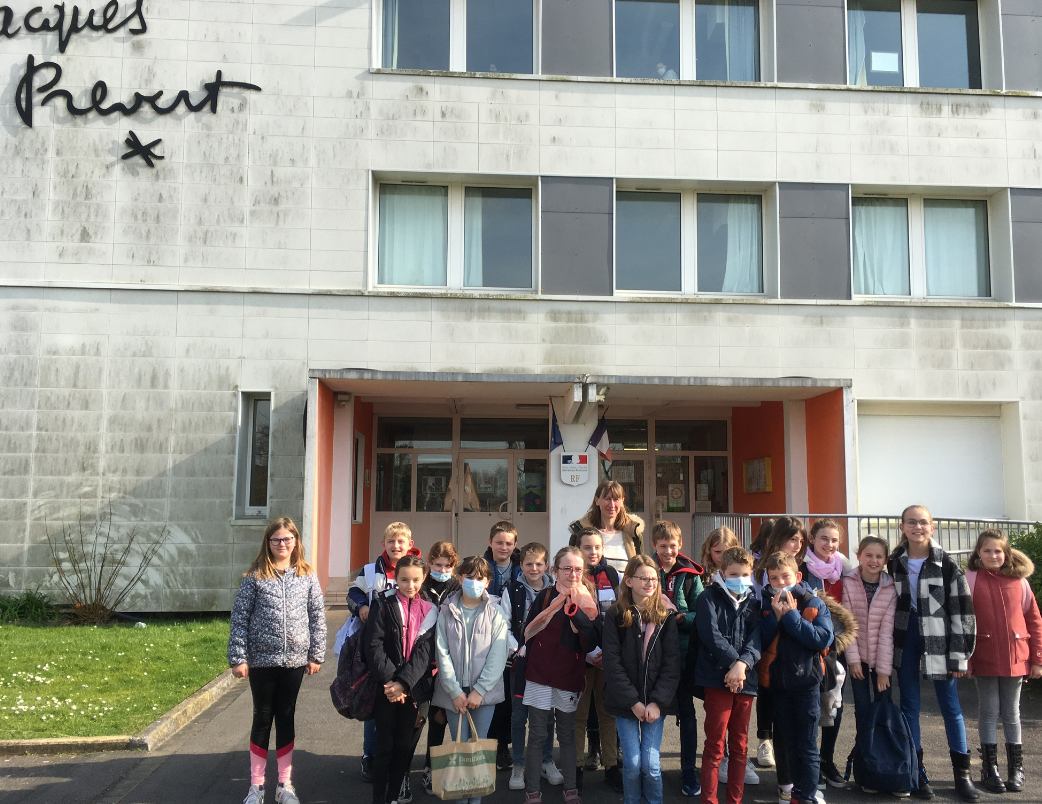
x: 504, y: 434
x: 730, y: 244
x: 358, y: 480
x: 414, y: 433
x: 874, y: 34
x: 253, y: 455
x: 727, y: 40
x: 405, y: 443
x: 881, y: 246
x: 956, y: 248
x: 949, y: 44
x: 497, y: 250
x: 921, y: 247
x: 647, y: 241
x: 647, y: 39
x: 499, y: 36
x: 416, y: 34
x: 413, y: 235
x: 691, y: 436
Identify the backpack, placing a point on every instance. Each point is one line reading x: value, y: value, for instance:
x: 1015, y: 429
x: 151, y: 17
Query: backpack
x: 354, y: 689
x: 884, y: 756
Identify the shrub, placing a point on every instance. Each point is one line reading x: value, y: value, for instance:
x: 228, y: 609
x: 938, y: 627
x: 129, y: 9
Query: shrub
x: 29, y: 607
x: 1030, y: 543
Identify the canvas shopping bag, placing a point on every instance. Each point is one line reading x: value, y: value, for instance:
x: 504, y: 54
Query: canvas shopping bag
x: 464, y: 769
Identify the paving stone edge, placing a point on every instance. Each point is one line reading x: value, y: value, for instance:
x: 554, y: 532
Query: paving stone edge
x: 148, y: 739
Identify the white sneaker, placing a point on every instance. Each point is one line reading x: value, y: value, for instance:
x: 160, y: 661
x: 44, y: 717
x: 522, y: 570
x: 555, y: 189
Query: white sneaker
x: 550, y: 773
x: 784, y: 793
x: 255, y: 796
x: 722, y: 770
x: 285, y: 794
x: 765, y: 754
x: 820, y: 797
x: 517, y: 777
x: 751, y: 777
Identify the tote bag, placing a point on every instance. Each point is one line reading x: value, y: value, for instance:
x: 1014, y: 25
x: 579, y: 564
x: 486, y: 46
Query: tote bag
x: 464, y: 769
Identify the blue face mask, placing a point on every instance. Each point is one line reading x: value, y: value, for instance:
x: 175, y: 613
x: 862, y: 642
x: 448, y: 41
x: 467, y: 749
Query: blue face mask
x: 788, y: 588
x: 473, y: 588
x: 738, y: 585
x: 441, y: 577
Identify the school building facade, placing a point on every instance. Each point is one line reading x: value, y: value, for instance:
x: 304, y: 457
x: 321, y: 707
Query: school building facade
x: 341, y: 268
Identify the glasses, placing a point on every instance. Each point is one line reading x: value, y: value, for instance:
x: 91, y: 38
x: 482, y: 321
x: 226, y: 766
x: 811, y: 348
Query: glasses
x: 922, y: 523
x: 287, y: 540
x: 645, y: 581
x: 570, y: 570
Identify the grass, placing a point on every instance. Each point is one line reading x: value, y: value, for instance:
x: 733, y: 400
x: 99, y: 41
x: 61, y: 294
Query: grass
x: 90, y: 681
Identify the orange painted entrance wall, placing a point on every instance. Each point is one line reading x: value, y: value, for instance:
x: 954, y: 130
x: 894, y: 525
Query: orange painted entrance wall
x: 360, y: 530
x: 323, y: 481
x: 759, y: 433
x: 826, y: 454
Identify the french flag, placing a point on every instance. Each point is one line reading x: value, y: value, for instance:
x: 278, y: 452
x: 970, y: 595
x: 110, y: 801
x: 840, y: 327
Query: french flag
x: 599, y: 439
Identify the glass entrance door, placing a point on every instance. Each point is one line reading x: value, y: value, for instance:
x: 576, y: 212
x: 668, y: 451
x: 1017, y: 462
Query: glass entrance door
x: 495, y: 486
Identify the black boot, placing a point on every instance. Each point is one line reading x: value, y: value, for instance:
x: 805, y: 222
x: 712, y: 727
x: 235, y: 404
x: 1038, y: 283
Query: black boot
x: 1014, y: 767
x: 989, y: 769
x: 963, y: 783
x: 924, y: 791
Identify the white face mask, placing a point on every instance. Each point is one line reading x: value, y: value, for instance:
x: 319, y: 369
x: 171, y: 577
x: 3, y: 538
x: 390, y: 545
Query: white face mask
x: 661, y: 71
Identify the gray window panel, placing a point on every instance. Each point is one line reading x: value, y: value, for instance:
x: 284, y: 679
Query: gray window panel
x: 810, y: 41
x: 1027, y: 260
x: 576, y: 254
x: 814, y: 242
x: 576, y: 37
x: 874, y: 43
x: 497, y: 237
x: 1026, y: 205
x: 1022, y: 45
x: 727, y: 40
x: 416, y: 34
x: 813, y: 200
x: 949, y: 44
x: 647, y: 241
x: 567, y: 194
x: 647, y: 39
x: 499, y: 36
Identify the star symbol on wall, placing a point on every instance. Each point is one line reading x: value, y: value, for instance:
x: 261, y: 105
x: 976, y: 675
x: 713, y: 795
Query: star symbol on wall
x: 146, y: 152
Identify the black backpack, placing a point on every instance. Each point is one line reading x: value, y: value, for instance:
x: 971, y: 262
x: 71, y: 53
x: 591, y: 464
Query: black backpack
x: 884, y: 757
x: 354, y: 689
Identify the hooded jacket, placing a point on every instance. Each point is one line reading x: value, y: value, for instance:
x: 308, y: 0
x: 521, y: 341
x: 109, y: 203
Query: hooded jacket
x: 793, y: 645
x: 875, y: 634
x: 633, y: 675
x: 1009, y: 626
x: 683, y: 585
x: 374, y: 579
x: 384, y: 646
x: 946, y: 620
x: 728, y: 631
x: 515, y: 603
x: 482, y: 657
x: 513, y: 572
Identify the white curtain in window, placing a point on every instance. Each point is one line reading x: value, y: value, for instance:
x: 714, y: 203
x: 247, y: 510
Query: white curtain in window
x: 956, y: 248
x: 413, y: 235
x: 858, y: 52
x: 881, y: 246
x: 473, y: 258
x: 740, y: 39
x: 390, y: 24
x: 743, y: 269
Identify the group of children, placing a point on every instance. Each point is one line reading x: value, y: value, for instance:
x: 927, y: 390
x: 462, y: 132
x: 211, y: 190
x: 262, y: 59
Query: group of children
x: 519, y: 644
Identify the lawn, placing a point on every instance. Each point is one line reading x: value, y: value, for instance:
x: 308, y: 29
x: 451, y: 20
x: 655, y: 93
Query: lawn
x: 84, y: 681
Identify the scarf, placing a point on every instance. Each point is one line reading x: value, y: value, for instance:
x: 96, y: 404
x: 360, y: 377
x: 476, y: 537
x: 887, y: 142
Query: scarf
x: 578, y: 597
x: 413, y: 612
x: 830, y: 571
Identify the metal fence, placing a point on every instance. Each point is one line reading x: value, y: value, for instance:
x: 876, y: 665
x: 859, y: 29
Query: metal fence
x: 956, y: 535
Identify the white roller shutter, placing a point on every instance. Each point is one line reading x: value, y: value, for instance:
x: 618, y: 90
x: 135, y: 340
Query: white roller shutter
x: 951, y: 464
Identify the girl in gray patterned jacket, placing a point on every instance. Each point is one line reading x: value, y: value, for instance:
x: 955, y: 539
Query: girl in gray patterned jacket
x: 278, y: 633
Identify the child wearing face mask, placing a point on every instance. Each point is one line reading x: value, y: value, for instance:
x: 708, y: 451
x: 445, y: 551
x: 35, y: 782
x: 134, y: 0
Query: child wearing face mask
x: 471, y: 650
x: 440, y: 583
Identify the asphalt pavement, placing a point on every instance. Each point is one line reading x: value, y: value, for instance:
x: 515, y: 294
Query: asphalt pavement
x: 208, y: 762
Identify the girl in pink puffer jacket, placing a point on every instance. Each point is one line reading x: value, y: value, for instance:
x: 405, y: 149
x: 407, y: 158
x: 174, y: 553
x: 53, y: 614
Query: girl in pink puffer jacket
x: 870, y: 595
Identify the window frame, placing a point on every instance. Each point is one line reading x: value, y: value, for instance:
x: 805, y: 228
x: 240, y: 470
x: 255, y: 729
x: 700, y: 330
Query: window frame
x: 917, y: 245
x: 455, y: 242
x: 689, y: 242
x: 244, y: 455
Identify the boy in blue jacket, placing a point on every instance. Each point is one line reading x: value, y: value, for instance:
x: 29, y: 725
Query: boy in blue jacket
x: 727, y: 623
x: 795, y: 628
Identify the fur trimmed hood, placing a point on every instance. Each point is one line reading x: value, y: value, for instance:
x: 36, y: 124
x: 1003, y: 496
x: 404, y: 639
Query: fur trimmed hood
x: 1020, y: 566
x: 843, y: 622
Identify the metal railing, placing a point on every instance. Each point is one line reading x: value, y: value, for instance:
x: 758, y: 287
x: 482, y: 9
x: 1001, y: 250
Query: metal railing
x: 956, y: 535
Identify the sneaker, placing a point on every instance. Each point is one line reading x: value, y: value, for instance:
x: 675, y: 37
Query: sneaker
x: 830, y: 773
x: 428, y: 782
x: 571, y: 797
x: 255, y: 796
x: 751, y: 776
x: 533, y: 798
x: 899, y: 793
x: 517, y: 777
x: 503, y: 759
x: 593, y: 761
x: 550, y: 773
x: 405, y: 794
x: 692, y: 786
x: 285, y: 794
x: 367, y: 768
x: 784, y: 793
x: 613, y: 778
x: 822, y: 784
x: 819, y: 797
x: 765, y: 754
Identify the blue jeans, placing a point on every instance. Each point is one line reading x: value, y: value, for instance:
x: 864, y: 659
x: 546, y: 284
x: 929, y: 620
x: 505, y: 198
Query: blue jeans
x: 947, y: 692
x: 641, y: 769
x: 482, y: 720
x: 796, y: 716
x: 518, y: 725
x: 369, y: 738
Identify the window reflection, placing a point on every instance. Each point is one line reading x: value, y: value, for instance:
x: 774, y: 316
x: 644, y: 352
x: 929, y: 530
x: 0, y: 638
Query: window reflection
x: 416, y: 34
x: 497, y: 237
x: 727, y: 41
x: 874, y: 36
x: 949, y: 44
x: 647, y: 39
x: 499, y: 36
x: 647, y: 241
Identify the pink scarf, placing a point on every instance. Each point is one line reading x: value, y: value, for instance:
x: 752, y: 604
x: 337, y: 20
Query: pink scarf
x: 413, y: 612
x: 830, y: 571
x: 578, y: 597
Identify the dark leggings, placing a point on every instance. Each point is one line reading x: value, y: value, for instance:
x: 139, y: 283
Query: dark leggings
x: 764, y: 714
x: 274, y: 698
x: 398, y: 727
